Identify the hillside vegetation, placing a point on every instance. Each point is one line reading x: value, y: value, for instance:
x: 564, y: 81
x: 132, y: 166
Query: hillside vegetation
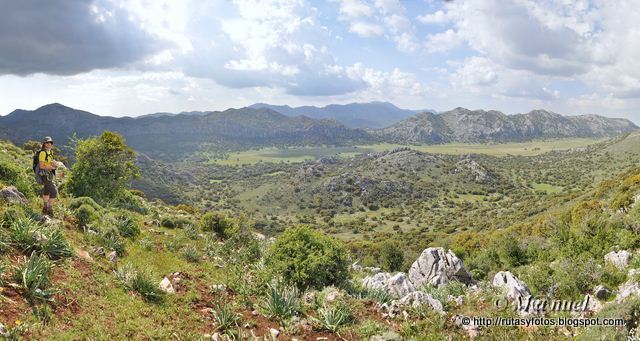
x: 116, y: 265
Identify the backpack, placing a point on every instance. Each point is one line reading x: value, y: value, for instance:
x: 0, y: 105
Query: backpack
x: 36, y: 166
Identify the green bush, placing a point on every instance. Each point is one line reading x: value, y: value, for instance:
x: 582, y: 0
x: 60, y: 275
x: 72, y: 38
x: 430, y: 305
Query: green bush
x: 131, y: 202
x: 308, y: 259
x: 128, y: 226
x: 392, y: 257
x: 104, y: 165
x: 220, y: 224
x: 12, y: 214
x: 85, y: 214
x: 10, y: 174
x: 75, y: 203
x: 168, y: 222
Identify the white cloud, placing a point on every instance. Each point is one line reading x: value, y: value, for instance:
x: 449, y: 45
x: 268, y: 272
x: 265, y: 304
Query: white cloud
x: 437, y: 17
x: 443, y: 41
x: 365, y: 29
x: 354, y: 9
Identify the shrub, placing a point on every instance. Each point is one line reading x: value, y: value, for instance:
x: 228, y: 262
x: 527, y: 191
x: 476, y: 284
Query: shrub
x: 218, y: 223
x: 110, y: 239
x: 127, y: 225
x: 131, y: 202
x: 75, y: 203
x: 85, y: 214
x: 392, y: 257
x: 12, y: 214
x: 116, y: 167
x: 168, y: 222
x: 10, y: 174
x: 307, y: 258
x: 34, y: 277
x: 281, y: 302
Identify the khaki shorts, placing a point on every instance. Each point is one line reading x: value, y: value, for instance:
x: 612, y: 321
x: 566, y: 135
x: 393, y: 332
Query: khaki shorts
x: 49, y: 188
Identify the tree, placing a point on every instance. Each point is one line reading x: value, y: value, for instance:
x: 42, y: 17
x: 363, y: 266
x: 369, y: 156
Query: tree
x: 103, y: 167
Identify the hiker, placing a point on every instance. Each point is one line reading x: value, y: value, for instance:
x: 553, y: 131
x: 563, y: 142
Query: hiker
x: 47, y: 174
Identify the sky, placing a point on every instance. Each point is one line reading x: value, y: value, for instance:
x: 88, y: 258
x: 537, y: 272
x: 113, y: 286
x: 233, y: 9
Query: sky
x: 133, y: 57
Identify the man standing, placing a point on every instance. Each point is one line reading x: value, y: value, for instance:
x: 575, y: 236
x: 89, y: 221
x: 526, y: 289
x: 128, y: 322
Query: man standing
x: 47, y: 173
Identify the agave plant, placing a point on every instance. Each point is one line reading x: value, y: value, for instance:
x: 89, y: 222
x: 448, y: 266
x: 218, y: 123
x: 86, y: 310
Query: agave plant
x: 333, y: 317
x: 132, y: 279
x: 34, y: 277
x: 55, y: 245
x: 226, y: 319
x: 281, y: 302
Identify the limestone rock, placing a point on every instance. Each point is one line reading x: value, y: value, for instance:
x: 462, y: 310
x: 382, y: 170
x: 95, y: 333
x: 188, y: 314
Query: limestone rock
x: 166, y: 286
x: 112, y: 256
x: 274, y: 333
x: 512, y: 286
x: 397, y: 285
x: 84, y: 255
x: 467, y: 323
x: 619, y: 259
x: 417, y: 299
x: 437, y: 267
x: 630, y: 288
x: 12, y: 195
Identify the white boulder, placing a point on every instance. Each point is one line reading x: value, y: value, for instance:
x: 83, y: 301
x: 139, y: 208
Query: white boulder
x: 619, y: 259
x: 396, y: 286
x: 437, y: 267
x: 511, y: 285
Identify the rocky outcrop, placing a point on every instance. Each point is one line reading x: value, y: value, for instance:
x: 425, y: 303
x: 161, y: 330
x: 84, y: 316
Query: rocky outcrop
x: 619, y: 259
x: 511, y: 285
x: 417, y: 299
x: 437, y: 267
x: 475, y: 170
x: 12, y: 195
x: 396, y: 286
x: 630, y: 288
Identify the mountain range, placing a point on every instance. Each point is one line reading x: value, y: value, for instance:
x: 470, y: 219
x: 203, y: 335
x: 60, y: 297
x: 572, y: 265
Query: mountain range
x: 177, y: 135
x: 463, y: 125
x: 354, y: 115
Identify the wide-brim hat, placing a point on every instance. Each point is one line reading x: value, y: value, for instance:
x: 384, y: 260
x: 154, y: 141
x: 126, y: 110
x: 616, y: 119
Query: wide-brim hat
x: 47, y: 139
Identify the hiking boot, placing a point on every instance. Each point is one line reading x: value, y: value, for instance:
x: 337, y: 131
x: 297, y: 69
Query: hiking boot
x: 50, y: 211
x: 45, y: 211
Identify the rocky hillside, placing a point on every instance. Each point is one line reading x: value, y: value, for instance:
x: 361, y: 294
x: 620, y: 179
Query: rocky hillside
x: 463, y: 125
x: 129, y: 271
x: 175, y: 136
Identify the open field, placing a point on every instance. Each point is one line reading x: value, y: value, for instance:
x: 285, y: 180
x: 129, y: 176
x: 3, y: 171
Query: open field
x: 300, y: 154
